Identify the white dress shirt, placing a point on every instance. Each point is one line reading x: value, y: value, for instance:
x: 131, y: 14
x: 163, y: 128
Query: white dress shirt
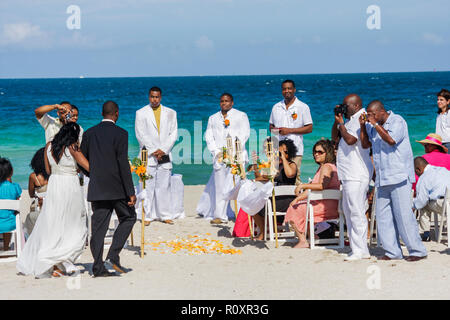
x: 443, y: 126
x: 216, y: 132
x: 282, y: 117
x: 52, y: 125
x: 431, y: 185
x: 353, y: 161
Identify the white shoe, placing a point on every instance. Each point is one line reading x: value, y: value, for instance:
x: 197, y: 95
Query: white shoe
x: 355, y: 257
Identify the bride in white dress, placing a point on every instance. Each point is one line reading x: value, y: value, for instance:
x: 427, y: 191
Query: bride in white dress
x: 59, y: 235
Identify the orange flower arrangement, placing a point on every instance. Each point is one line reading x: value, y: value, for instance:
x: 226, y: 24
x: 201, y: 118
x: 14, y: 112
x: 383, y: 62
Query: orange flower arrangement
x: 294, y: 116
x: 226, y: 123
x: 139, y: 169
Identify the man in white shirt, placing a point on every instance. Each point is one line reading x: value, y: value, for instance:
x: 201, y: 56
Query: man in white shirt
x: 156, y: 128
x: 430, y: 192
x: 228, y: 121
x: 293, y: 119
x: 355, y: 170
x: 52, y: 125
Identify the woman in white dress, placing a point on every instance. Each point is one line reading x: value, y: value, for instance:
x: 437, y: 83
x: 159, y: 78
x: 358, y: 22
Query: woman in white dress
x: 59, y: 235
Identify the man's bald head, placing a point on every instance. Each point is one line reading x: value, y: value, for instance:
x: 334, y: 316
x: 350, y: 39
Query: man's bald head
x: 354, y: 99
x: 376, y: 105
x: 419, y: 165
x: 354, y: 103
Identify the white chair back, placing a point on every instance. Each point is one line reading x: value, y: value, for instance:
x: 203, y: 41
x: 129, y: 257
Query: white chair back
x: 285, y: 190
x: 19, y: 239
x: 328, y: 194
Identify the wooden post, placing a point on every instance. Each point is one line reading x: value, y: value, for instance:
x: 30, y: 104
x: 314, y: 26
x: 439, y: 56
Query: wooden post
x: 270, y: 157
x: 144, y: 158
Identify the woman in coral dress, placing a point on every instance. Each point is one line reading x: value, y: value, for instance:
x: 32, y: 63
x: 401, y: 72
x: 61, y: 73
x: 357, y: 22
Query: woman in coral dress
x: 325, y: 178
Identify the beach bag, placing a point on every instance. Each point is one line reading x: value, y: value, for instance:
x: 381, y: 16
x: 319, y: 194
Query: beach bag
x: 241, y: 228
x: 253, y: 196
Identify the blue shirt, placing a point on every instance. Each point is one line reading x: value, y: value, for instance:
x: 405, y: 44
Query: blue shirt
x: 393, y: 164
x: 8, y: 191
x: 431, y: 185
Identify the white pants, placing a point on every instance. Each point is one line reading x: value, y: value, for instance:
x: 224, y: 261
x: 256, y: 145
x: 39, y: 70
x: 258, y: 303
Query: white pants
x: 211, y: 204
x: 158, y: 193
x: 425, y: 213
x: 354, y: 195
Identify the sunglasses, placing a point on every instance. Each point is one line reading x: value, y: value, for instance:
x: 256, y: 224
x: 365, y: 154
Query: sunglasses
x: 318, y: 152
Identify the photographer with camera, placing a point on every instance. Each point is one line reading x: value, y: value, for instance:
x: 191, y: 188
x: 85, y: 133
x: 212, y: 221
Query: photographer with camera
x: 52, y: 125
x: 387, y: 134
x: 355, y: 170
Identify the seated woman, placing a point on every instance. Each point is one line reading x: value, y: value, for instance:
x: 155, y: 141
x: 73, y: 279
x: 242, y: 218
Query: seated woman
x: 37, y: 187
x: 287, y: 174
x: 325, y: 178
x: 8, y: 191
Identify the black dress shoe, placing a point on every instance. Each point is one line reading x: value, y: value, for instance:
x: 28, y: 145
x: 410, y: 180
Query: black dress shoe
x: 414, y: 258
x: 106, y: 274
x: 425, y: 236
x: 117, y: 267
x: 385, y: 257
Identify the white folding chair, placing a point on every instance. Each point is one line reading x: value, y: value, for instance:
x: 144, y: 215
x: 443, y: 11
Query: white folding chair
x: 439, y: 227
x: 286, y: 190
x: 19, y: 239
x: 324, y: 195
x: 372, y: 220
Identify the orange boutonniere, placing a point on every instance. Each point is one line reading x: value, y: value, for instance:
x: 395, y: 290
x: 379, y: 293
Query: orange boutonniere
x: 226, y: 123
x: 294, y: 116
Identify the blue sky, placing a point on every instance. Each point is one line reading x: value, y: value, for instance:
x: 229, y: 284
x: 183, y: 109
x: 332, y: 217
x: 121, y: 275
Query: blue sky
x: 220, y: 37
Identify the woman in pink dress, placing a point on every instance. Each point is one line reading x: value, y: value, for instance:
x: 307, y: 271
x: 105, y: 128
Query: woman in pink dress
x: 325, y: 178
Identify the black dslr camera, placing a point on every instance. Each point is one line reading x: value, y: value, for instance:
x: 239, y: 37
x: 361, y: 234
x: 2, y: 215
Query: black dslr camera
x: 341, y: 109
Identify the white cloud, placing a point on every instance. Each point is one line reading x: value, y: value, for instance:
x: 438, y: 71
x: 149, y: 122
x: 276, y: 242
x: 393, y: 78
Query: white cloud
x: 24, y: 34
x: 18, y: 32
x: 433, y: 38
x: 204, y: 43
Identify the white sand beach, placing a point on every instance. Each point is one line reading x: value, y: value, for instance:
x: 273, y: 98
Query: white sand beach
x: 261, y: 271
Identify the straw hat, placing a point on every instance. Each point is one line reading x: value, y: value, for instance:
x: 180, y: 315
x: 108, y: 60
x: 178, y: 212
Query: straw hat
x: 433, y: 138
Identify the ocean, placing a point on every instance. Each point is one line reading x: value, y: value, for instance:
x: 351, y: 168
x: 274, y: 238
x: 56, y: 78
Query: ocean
x: 412, y: 95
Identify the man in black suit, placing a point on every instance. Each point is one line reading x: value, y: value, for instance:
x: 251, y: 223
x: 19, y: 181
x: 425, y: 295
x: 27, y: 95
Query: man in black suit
x: 110, y: 187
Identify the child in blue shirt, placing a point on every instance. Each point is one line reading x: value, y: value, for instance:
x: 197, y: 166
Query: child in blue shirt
x: 8, y: 191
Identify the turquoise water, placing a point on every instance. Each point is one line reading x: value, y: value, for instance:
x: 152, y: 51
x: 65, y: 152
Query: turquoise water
x: 412, y: 95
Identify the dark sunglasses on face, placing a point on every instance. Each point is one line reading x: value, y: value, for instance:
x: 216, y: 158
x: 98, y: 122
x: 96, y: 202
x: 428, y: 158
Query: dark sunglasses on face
x: 318, y: 152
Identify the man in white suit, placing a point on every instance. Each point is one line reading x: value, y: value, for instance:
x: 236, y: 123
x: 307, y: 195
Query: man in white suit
x: 157, y: 129
x: 227, y: 121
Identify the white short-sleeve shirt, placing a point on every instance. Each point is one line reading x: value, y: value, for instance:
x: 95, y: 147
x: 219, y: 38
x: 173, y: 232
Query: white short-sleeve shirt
x: 443, y: 126
x: 52, y: 125
x: 282, y: 117
x: 353, y: 161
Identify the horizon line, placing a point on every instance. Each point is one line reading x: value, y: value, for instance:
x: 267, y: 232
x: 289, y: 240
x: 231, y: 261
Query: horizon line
x: 223, y: 75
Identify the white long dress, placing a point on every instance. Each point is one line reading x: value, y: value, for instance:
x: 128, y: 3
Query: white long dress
x: 59, y: 235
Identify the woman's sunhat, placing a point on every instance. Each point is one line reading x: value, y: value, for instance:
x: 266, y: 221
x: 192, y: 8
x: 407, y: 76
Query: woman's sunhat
x: 433, y: 138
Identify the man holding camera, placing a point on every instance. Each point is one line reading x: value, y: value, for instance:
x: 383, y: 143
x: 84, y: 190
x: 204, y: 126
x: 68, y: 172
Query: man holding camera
x: 355, y: 170
x: 387, y: 134
x: 52, y: 125
x: 292, y: 119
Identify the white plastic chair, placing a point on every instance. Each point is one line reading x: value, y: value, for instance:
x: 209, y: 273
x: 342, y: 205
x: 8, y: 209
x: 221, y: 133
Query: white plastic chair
x: 286, y: 190
x: 438, y: 227
x: 324, y: 195
x: 19, y: 239
x: 372, y: 220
